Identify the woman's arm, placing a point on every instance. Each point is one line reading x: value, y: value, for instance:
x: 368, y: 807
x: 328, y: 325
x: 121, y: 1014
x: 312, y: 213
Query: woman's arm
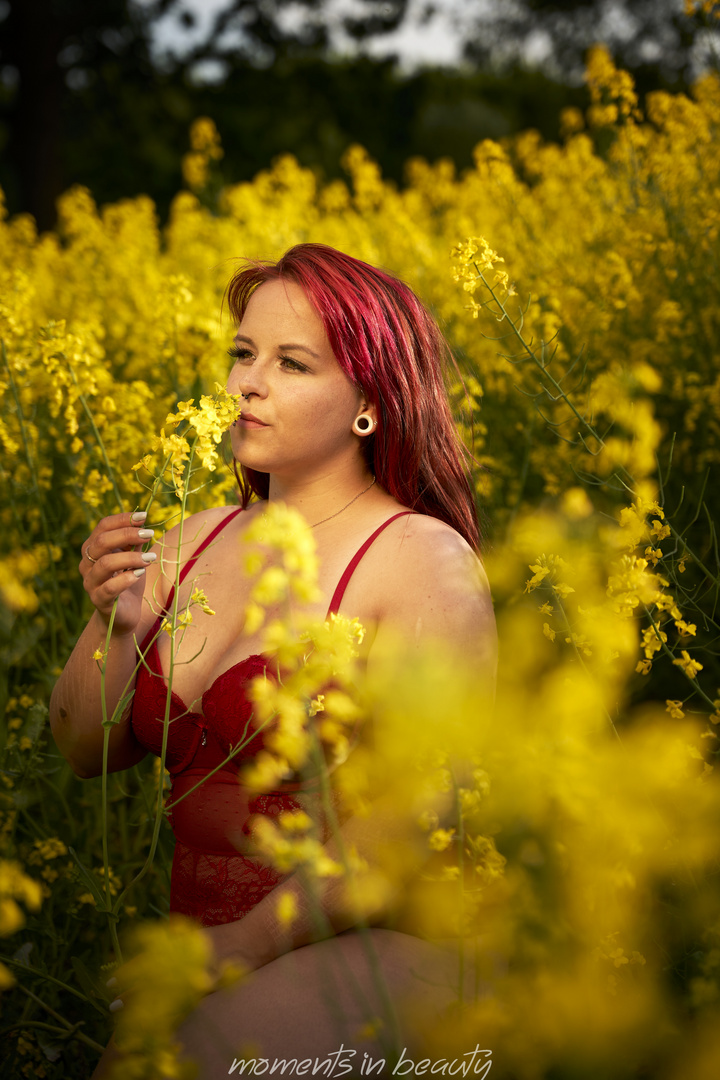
x: 76, y: 702
x: 435, y: 598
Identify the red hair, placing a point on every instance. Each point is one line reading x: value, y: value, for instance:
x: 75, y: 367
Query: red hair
x: 389, y: 346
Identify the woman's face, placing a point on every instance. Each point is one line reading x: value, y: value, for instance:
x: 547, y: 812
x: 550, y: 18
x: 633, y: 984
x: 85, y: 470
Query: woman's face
x: 298, y: 417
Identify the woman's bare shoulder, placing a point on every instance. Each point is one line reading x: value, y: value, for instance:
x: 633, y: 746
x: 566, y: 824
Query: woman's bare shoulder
x: 434, y: 588
x: 422, y: 543
x: 429, y: 562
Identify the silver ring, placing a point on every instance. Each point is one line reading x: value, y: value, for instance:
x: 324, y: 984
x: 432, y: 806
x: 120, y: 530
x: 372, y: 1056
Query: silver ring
x: 87, y: 554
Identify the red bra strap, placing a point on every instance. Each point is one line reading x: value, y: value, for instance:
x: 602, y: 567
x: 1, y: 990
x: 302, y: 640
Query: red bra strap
x: 199, y: 550
x: 352, y: 565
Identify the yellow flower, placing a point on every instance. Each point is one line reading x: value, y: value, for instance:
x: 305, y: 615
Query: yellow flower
x: 288, y: 854
x: 16, y: 885
x: 688, y: 665
x: 51, y: 848
x: 287, y: 909
x: 675, y: 709
x: 316, y: 705
x: 440, y: 839
x: 539, y: 575
x: 661, y: 531
x: 652, y: 641
x: 169, y: 974
x: 294, y: 821
x: 653, y: 555
x: 208, y: 421
x: 198, y: 597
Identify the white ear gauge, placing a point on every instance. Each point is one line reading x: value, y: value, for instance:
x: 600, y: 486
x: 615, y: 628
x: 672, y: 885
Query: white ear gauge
x: 364, y: 424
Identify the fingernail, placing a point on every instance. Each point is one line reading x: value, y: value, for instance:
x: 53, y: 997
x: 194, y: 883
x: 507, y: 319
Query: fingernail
x: 139, y: 572
x: 146, y: 534
x: 148, y: 556
x: 115, y: 1005
x: 111, y: 982
x: 139, y: 515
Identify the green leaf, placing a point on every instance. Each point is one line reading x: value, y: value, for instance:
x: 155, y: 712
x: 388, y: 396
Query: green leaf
x: 119, y: 710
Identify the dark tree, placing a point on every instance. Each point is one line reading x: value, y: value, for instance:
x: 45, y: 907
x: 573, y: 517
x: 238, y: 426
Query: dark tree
x: 651, y: 37
x: 82, y: 69
x: 51, y: 50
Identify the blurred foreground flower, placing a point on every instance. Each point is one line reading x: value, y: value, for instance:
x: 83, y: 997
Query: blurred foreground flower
x: 15, y: 886
x: 168, y: 976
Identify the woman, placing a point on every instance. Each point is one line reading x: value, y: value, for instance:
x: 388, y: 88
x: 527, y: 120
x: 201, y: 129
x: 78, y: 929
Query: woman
x: 345, y: 418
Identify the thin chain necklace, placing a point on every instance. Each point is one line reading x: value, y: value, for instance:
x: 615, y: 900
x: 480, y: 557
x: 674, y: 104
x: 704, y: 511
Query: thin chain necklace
x: 344, y: 508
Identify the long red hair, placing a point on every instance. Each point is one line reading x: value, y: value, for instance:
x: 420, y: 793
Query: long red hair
x: 389, y: 346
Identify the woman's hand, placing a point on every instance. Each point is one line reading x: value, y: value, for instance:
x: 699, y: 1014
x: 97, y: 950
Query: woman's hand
x: 113, y: 566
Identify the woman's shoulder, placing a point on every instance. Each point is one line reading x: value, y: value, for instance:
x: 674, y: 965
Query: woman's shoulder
x: 422, y: 542
x: 426, y: 557
x: 432, y: 586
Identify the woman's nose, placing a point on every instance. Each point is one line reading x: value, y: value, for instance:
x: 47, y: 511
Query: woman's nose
x: 246, y: 382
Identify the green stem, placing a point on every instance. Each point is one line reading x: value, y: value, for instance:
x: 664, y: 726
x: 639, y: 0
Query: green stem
x: 107, y: 725
x: 714, y: 578
x: 70, y: 1030
x: 168, y: 697
x: 48, y: 978
x: 233, y: 753
x: 106, y: 745
x: 538, y: 363
x: 560, y: 392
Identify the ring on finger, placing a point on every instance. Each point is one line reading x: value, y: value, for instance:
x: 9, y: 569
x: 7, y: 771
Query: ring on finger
x: 88, y: 556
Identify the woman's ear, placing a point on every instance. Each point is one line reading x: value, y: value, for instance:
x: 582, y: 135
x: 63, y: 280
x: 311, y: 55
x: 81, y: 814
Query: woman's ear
x: 369, y: 410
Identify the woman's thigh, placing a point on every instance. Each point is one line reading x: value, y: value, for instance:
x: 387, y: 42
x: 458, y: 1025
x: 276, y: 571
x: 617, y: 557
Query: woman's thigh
x: 349, y: 1000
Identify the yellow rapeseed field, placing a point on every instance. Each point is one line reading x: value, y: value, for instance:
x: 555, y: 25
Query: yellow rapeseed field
x: 580, y: 291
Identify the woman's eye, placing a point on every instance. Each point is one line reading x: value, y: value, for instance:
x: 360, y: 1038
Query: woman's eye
x: 238, y: 353
x: 292, y: 365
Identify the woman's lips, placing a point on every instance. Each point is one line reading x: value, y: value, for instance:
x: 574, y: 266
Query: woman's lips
x: 247, y: 420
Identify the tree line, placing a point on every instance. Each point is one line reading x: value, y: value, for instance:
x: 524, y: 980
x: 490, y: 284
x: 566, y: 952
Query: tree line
x: 86, y: 98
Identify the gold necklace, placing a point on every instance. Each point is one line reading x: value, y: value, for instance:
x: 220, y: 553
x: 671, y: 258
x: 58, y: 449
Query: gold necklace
x: 346, y: 505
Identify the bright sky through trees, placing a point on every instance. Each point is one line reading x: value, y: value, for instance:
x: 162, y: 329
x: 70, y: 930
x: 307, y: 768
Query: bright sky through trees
x: 433, y: 41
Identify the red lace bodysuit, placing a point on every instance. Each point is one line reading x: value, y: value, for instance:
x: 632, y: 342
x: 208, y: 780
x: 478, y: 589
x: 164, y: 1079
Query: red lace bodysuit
x: 212, y: 880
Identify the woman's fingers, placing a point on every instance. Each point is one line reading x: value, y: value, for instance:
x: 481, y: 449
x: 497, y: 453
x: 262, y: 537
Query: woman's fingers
x: 115, y: 574
x: 118, y: 532
x: 112, y: 564
x: 108, y: 566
